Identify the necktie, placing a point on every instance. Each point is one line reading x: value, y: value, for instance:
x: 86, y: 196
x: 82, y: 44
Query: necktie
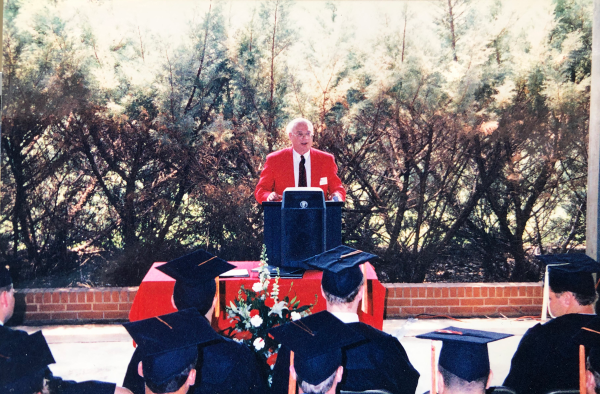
x: 302, y: 173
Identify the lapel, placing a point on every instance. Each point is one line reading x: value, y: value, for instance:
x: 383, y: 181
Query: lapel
x: 315, y: 165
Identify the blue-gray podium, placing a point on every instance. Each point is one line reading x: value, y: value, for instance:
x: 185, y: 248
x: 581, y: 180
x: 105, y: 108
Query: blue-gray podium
x: 301, y: 226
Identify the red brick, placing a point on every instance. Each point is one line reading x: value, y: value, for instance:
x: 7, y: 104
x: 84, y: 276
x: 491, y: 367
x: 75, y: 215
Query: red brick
x: 134, y: 292
x: 114, y: 296
x: 469, y: 291
x: 422, y: 292
x: 89, y: 297
x: 461, y: 310
x: 471, y: 301
x: 55, y: 297
x: 437, y: 310
x: 392, y: 311
x: 51, y: 307
x: 460, y: 292
x: 429, y: 292
x: 533, y: 310
x: 90, y: 315
x: 414, y: 292
x: 484, y: 291
x: 447, y: 302
x: 520, y: 301
x: 529, y: 291
x: 476, y: 292
x: 485, y: 310
x: 72, y: 297
x: 411, y: 310
x: 38, y: 316
x: 437, y: 293
x: 445, y: 292
x: 491, y: 292
x: 31, y: 308
x: 399, y: 302
x: 124, y: 295
x: 29, y: 298
x: 79, y: 307
x: 522, y: 291
x: 514, y: 291
x: 453, y: 292
x: 47, y: 299
x: 125, y: 306
x: 106, y: 307
x: 81, y: 297
x: 508, y: 310
x: 424, y: 302
x: 116, y: 315
x: 64, y: 297
x: 39, y: 298
x: 537, y: 291
x: 97, y: 296
x: 496, y: 301
x: 65, y: 316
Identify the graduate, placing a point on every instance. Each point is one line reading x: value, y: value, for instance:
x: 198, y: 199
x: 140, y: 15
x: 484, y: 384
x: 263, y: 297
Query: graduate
x: 379, y: 362
x: 316, y: 343
x: 464, y: 364
x: 589, y: 337
x: 224, y: 367
x: 547, y: 357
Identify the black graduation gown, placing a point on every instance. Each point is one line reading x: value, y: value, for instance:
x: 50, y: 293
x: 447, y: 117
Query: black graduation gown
x: 8, y: 334
x: 547, y: 357
x: 379, y: 362
x: 223, y: 367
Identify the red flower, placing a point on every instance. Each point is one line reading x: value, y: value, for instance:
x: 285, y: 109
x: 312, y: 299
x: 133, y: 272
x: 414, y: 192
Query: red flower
x: 272, y: 359
x: 254, y: 312
x: 245, y: 335
x: 269, y: 302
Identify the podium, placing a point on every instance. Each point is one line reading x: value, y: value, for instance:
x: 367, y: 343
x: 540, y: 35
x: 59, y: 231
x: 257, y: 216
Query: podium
x: 301, y: 226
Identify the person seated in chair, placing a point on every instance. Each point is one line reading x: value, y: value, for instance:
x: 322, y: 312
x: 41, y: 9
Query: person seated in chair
x: 224, y: 367
x: 464, y: 364
x: 589, y: 336
x: 317, y: 342
x: 547, y: 358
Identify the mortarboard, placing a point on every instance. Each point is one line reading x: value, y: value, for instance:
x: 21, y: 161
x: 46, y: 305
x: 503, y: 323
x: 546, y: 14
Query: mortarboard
x: 589, y: 336
x: 169, y: 343
x: 317, y: 341
x: 464, y: 352
x: 341, y: 271
x: 23, y: 362
x: 568, y: 272
x: 194, y: 275
x: 5, y: 278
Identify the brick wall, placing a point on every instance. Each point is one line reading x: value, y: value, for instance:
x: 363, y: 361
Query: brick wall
x: 463, y: 299
x: 81, y: 305
x: 76, y: 305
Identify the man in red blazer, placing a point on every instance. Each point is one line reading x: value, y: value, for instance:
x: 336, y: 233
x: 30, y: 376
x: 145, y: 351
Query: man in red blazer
x: 283, y: 168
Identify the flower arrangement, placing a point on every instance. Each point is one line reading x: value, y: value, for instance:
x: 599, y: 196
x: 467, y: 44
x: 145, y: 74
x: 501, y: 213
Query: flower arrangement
x: 258, y: 309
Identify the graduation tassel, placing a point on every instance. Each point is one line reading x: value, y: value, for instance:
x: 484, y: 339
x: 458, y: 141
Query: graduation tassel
x: 545, y: 296
x: 218, y: 295
x: 365, y: 296
x: 433, y: 370
x: 582, y: 389
x: 292, y: 383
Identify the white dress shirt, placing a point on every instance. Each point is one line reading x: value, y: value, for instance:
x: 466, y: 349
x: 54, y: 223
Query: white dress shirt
x: 297, y: 167
x: 346, y: 317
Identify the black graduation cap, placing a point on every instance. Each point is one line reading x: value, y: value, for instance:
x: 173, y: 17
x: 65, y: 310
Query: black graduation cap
x: 464, y: 352
x: 5, y: 278
x: 317, y: 341
x: 570, y: 272
x: 89, y: 387
x: 341, y: 271
x: 23, y: 362
x: 169, y: 343
x: 195, y: 275
x: 589, y: 336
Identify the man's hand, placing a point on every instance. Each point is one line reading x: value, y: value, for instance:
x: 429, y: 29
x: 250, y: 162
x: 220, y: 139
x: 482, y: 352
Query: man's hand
x: 336, y: 197
x: 274, y: 197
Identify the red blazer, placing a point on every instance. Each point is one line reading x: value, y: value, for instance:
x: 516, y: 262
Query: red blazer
x: 278, y: 174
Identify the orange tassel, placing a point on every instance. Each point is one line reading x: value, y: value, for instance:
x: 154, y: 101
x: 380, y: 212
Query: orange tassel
x: 365, y: 297
x: 292, y: 383
x: 218, y: 295
x: 582, y: 369
x: 433, y: 370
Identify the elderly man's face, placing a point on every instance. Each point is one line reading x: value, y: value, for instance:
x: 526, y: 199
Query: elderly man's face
x: 301, y: 138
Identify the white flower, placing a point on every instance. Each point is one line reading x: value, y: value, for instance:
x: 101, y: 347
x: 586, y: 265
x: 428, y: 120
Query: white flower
x: 256, y: 321
x: 296, y: 315
x: 257, y: 287
x: 278, y: 308
x: 259, y: 343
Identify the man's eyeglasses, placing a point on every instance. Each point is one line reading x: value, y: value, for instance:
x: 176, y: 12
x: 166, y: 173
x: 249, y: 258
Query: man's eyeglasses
x: 302, y: 135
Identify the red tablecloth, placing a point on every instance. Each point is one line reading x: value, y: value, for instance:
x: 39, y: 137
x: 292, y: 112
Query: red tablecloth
x: 154, y: 294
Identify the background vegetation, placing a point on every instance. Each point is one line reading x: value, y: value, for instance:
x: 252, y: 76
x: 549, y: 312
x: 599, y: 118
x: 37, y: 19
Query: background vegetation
x: 461, y: 137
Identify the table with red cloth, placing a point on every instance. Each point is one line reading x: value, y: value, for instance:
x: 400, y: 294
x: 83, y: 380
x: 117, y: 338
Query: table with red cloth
x: 153, y: 297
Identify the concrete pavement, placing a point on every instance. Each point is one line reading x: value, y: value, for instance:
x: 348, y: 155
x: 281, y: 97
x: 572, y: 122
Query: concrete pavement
x: 102, y: 352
